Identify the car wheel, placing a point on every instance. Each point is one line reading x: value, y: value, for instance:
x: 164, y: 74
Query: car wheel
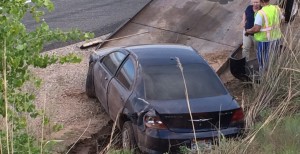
x: 128, y: 141
x: 89, y: 84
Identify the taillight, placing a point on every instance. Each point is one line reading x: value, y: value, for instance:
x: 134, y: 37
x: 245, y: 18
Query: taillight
x: 238, y: 115
x: 152, y: 120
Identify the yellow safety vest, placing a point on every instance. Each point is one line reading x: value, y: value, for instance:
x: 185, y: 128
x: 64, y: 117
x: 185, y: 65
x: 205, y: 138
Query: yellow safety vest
x: 270, y: 29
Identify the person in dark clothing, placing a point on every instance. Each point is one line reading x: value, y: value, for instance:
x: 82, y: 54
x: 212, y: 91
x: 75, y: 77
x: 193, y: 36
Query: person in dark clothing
x: 287, y: 6
x: 248, y: 22
x: 288, y: 10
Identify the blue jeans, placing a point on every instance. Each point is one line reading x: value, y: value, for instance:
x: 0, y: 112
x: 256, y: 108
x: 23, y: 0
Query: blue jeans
x: 263, y: 50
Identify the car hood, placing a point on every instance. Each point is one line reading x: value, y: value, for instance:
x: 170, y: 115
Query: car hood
x: 208, y: 104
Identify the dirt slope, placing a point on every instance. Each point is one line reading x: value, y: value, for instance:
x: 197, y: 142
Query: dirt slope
x: 63, y: 94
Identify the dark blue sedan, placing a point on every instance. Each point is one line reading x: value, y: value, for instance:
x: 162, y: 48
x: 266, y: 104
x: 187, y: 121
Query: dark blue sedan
x: 163, y: 97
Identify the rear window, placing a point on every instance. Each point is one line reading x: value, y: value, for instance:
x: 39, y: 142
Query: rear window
x: 166, y: 82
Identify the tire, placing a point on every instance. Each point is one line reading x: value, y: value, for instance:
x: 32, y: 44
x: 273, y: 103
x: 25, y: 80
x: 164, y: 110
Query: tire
x: 89, y: 84
x: 128, y: 140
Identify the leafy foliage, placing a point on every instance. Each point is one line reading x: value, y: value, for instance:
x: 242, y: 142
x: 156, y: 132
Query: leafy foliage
x: 21, y: 49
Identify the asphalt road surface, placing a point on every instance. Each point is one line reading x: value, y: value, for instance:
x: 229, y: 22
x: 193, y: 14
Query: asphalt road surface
x: 98, y: 16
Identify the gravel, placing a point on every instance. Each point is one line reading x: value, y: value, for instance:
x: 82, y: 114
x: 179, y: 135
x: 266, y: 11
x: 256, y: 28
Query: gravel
x: 63, y: 94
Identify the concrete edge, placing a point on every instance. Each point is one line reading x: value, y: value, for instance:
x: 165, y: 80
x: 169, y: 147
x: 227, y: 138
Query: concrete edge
x: 122, y: 26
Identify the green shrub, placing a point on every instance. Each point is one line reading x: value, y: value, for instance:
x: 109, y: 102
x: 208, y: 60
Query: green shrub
x: 20, y: 50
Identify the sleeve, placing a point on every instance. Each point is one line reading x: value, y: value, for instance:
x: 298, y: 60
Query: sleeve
x: 258, y: 19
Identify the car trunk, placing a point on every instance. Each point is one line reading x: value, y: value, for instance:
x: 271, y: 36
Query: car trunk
x: 207, y: 121
x: 211, y: 113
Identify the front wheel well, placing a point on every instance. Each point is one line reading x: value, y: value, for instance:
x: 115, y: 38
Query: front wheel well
x: 122, y: 119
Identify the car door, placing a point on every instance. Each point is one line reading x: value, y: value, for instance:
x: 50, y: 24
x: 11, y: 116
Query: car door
x: 121, y: 86
x: 105, y: 69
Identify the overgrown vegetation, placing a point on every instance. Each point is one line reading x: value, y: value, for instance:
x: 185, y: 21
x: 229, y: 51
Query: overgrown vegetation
x: 19, y: 50
x: 272, y: 107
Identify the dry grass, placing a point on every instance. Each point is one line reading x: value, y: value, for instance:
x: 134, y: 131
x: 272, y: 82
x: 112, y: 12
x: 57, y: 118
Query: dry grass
x: 272, y: 115
x: 187, y: 99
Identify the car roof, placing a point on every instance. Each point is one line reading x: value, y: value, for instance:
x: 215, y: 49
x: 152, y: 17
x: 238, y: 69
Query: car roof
x: 164, y: 54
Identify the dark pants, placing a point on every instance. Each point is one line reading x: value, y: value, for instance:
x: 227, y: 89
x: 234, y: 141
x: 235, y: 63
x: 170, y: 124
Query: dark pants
x: 288, y: 10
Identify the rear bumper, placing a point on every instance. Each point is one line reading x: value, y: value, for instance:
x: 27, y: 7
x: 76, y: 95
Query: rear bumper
x: 160, y: 141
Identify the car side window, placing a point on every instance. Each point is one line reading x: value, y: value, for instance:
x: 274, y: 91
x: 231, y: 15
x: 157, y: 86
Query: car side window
x: 126, y: 74
x: 113, y: 61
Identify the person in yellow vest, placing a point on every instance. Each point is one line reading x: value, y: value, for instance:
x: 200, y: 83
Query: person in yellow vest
x: 266, y: 31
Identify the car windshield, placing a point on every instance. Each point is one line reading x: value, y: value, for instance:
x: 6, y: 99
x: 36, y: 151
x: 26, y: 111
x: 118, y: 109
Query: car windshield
x: 166, y: 82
